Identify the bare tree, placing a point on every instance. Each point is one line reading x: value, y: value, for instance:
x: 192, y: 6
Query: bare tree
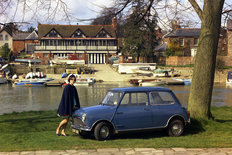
x: 33, y: 9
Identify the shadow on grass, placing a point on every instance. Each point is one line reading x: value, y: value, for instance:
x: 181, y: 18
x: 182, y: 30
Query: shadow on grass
x: 194, y: 128
x: 222, y: 121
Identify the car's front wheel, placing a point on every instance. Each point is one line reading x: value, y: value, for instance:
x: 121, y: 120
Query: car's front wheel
x: 175, y: 128
x: 102, y: 131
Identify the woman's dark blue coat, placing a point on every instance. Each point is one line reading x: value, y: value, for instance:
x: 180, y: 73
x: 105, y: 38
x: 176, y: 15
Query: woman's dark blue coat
x: 66, y: 106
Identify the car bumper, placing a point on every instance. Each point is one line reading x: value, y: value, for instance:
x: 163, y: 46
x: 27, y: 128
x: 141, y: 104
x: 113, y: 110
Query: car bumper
x: 79, y: 125
x: 188, y: 121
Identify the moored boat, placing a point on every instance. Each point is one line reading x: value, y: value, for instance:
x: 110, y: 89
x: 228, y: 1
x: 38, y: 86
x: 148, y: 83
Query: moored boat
x: 81, y: 81
x: 155, y: 82
x: 28, y: 83
x: 32, y: 82
x: 187, y: 82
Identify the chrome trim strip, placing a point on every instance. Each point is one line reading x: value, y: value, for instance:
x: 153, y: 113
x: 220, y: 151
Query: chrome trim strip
x: 160, y: 127
x: 142, y: 129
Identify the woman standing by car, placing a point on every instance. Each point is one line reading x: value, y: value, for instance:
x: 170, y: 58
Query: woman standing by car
x: 68, y: 104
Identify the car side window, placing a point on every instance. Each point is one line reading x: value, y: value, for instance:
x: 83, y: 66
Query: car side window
x: 135, y: 99
x: 157, y: 98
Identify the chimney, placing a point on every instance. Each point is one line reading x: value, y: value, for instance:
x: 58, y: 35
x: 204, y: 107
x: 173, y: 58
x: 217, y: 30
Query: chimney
x: 175, y: 25
x: 114, y: 23
x: 229, y: 24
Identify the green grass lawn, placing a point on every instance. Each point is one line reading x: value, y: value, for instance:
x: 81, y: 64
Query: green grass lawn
x: 36, y: 131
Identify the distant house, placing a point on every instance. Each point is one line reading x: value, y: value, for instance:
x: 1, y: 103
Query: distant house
x: 24, y: 42
x: 6, y: 37
x: 91, y: 43
x: 188, y: 40
x: 18, y: 41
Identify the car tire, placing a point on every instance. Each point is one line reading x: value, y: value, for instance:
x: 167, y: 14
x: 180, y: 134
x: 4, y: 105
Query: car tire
x: 102, y: 131
x: 175, y: 128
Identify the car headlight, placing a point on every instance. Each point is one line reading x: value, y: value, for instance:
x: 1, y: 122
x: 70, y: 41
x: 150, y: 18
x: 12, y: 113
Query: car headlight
x: 83, y: 118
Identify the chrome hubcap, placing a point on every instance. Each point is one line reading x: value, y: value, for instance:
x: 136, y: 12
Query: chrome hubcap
x: 104, y: 132
x: 176, y: 129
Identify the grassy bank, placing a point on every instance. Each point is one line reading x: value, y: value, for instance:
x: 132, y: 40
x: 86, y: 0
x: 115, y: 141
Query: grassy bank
x: 36, y: 131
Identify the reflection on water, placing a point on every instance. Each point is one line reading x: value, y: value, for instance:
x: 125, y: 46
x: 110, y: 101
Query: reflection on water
x: 47, y: 98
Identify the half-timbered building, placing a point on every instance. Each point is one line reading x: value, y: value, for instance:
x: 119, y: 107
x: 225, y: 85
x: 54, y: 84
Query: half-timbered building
x: 91, y: 43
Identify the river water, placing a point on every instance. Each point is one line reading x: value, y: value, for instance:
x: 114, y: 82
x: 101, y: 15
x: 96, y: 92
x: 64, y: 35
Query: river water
x: 18, y: 99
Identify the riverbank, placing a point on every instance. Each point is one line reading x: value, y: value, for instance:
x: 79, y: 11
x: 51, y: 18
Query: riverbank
x: 107, y: 73
x: 30, y: 131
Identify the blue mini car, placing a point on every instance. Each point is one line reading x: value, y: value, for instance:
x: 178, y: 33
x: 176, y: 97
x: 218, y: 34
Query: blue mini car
x: 130, y: 109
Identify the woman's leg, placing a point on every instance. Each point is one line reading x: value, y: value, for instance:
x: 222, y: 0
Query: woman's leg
x: 64, y: 127
x: 62, y: 123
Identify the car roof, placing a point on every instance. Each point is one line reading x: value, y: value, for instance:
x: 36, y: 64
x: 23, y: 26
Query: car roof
x: 142, y: 89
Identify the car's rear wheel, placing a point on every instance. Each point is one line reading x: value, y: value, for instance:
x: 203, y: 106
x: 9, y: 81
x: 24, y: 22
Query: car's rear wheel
x: 175, y: 128
x: 102, y: 131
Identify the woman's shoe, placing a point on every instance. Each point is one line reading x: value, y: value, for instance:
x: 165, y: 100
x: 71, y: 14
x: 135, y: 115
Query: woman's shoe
x: 64, y: 135
x: 57, y: 134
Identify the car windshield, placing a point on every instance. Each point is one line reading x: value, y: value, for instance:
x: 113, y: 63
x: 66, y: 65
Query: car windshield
x: 111, y: 98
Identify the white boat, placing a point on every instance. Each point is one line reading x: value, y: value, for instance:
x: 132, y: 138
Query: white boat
x: 143, y: 71
x: 32, y: 82
x: 127, y: 68
x: 155, y: 82
x: 82, y: 81
x: 187, y: 82
x: 165, y: 73
x: 161, y: 72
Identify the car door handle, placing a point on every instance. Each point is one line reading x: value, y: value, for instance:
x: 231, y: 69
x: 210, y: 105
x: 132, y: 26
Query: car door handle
x: 147, y: 109
x: 119, y: 113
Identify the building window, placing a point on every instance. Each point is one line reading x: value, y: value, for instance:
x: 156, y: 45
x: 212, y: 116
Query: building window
x: 181, y: 41
x: 52, y: 33
x: 71, y: 43
x: 45, y: 55
x: 79, y: 55
x: 195, y: 41
x: 78, y: 34
x: 1, y: 37
x: 6, y: 37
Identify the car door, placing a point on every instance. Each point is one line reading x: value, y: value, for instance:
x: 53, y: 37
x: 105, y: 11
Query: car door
x: 133, y: 112
x: 163, y: 107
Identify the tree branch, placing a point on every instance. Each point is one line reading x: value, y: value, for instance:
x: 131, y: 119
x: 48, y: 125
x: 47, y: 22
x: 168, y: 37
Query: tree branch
x: 227, y: 11
x: 128, y: 1
x: 148, y: 8
x: 196, y: 8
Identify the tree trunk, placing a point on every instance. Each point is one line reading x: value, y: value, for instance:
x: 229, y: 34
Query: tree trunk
x: 204, y: 68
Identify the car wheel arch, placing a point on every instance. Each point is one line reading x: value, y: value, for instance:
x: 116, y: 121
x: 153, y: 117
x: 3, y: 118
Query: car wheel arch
x: 99, y: 121
x: 175, y: 117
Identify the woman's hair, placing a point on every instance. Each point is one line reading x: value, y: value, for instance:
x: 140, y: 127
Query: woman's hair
x: 71, y: 76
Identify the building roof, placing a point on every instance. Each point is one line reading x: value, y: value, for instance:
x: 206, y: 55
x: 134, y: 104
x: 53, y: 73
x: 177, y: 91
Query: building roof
x: 184, y: 32
x: 32, y: 36
x: 161, y: 47
x: 229, y: 24
x: 25, y: 36
x: 67, y: 30
x: 7, y: 30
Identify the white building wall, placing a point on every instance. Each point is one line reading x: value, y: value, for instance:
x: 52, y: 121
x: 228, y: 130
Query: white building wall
x: 4, y: 41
